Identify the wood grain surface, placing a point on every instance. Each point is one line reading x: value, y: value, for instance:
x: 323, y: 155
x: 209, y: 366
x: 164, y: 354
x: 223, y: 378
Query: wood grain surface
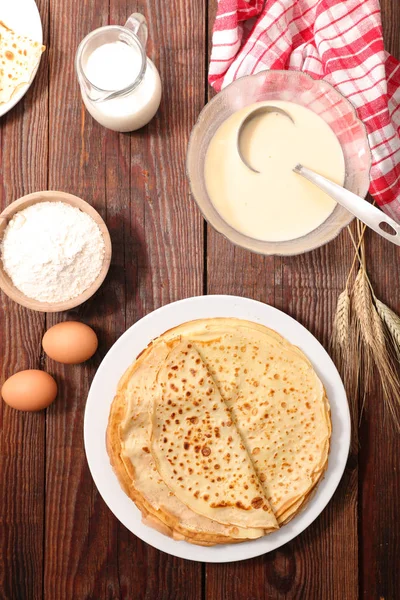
x: 24, y: 159
x: 58, y: 540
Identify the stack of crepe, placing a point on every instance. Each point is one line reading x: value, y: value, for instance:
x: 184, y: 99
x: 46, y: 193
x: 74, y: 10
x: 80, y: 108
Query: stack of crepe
x: 219, y: 431
x: 19, y: 57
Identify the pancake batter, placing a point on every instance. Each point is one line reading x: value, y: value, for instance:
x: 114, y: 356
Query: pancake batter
x: 275, y: 204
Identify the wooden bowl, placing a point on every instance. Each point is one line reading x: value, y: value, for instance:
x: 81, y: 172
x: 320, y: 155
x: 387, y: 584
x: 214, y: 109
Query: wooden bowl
x: 5, y: 282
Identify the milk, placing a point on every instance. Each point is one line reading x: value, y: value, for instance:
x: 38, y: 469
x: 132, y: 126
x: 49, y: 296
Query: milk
x: 116, y: 66
x: 113, y: 66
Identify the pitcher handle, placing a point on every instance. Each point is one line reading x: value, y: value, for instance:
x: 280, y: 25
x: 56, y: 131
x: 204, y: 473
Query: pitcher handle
x: 138, y: 24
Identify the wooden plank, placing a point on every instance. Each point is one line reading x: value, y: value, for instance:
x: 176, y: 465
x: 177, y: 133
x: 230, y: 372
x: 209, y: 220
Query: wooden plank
x: 138, y: 184
x: 390, y: 15
x: 380, y: 454
x: 76, y: 165
x: 24, y: 154
x: 163, y: 222
x: 379, y: 443
x: 86, y: 172
x: 312, y: 283
x: 162, y: 216
x: 306, y: 287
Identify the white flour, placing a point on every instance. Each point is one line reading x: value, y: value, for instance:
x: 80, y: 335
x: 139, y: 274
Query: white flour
x: 52, y: 251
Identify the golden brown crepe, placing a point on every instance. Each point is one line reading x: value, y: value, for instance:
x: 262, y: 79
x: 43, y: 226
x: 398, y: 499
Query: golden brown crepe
x: 198, y: 452
x: 19, y: 57
x: 278, y: 412
x: 276, y: 400
x: 128, y: 443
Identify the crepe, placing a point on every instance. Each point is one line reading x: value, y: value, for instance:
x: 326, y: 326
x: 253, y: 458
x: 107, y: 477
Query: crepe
x: 128, y: 444
x: 198, y: 451
x: 277, y: 402
x: 262, y: 388
x: 19, y: 57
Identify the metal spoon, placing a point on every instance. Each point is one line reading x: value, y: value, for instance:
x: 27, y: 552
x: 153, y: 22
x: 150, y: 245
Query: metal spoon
x: 360, y: 208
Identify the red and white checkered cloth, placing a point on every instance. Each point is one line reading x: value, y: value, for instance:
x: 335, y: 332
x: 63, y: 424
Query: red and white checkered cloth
x: 337, y: 40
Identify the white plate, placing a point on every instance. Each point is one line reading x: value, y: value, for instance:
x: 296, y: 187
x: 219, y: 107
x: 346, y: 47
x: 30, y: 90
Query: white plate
x: 23, y: 17
x: 121, y: 356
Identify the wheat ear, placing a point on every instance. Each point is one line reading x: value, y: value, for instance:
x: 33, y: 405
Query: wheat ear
x: 392, y: 322
x: 341, y: 323
x: 374, y: 349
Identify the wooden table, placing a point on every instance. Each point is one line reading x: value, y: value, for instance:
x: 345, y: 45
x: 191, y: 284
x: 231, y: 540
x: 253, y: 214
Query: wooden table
x: 58, y: 540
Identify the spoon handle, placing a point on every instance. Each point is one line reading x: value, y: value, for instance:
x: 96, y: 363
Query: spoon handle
x: 360, y: 208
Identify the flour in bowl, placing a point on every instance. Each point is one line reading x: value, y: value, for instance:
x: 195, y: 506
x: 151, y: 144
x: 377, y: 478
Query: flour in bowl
x: 52, y: 251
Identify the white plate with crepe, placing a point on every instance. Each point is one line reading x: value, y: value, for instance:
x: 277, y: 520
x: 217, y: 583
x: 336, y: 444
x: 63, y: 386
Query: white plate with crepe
x: 22, y: 17
x: 125, y: 351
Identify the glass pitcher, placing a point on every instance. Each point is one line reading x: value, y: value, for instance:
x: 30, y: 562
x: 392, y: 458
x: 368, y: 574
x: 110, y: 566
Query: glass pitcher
x: 136, y: 103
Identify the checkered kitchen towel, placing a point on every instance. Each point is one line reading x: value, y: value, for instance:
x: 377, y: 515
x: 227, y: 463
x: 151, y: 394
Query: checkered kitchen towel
x: 338, y: 40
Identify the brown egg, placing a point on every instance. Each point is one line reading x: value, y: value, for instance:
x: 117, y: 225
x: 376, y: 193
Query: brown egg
x: 29, y: 390
x: 70, y: 342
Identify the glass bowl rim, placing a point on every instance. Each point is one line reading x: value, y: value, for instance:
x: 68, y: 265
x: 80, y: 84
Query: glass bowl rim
x: 245, y: 240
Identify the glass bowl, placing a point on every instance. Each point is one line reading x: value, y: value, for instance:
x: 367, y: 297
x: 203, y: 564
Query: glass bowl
x: 292, y: 86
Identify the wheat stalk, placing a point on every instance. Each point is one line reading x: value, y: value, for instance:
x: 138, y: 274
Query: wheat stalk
x: 345, y: 353
x: 362, y: 326
x: 363, y: 309
x: 341, y: 339
x: 344, y: 345
x: 366, y: 336
x: 374, y: 349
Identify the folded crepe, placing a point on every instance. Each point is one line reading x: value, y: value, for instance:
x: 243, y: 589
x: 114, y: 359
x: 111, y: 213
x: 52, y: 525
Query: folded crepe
x: 198, y: 452
x: 277, y: 402
x: 19, y: 57
x: 128, y: 444
x: 216, y: 423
